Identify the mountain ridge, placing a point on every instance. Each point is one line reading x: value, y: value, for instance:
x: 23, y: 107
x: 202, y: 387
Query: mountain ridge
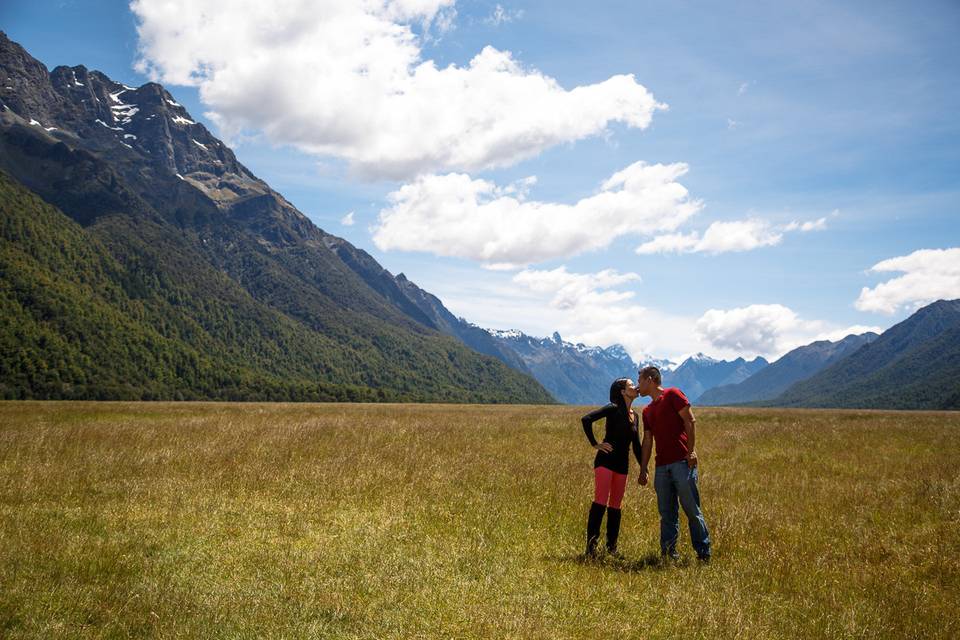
x: 798, y: 364
x: 914, y: 364
x: 129, y: 164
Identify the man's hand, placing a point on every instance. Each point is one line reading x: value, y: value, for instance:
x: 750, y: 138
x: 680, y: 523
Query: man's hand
x: 606, y: 447
x: 643, y: 478
x: 692, y: 459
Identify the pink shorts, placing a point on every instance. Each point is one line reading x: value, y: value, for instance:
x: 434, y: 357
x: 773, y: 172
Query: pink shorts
x: 608, y: 487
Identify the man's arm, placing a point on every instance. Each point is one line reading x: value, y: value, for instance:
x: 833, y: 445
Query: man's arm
x: 690, y: 427
x: 645, y: 450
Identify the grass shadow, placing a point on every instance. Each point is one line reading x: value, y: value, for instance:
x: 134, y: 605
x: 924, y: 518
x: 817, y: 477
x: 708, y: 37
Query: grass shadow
x: 648, y: 562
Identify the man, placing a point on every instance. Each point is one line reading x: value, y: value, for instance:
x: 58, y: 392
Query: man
x: 668, y: 422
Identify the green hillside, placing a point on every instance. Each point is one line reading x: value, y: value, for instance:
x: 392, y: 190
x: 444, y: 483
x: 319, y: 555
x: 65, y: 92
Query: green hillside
x: 913, y: 365
x: 126, y: 308
x: 798, y: 364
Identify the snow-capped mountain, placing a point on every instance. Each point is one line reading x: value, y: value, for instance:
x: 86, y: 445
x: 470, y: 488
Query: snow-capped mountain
x: 574, y: 373
x: 700, y: 372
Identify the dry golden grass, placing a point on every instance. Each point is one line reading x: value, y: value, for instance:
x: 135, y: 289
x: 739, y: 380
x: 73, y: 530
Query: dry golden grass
x: 204, y: 520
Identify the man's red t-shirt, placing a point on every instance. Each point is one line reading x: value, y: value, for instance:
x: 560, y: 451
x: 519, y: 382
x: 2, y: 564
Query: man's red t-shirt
x: 662, y: 418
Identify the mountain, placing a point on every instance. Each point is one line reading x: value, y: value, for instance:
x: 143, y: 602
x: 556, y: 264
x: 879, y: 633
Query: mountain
x: 572, y: 373
x: 914, y: 364
x: 422, y: 305
x: 187, y: 275
x: 698, y: 373
x: 799, y: 364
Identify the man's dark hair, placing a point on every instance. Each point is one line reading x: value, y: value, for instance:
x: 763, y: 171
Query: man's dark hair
x: 652, y: 373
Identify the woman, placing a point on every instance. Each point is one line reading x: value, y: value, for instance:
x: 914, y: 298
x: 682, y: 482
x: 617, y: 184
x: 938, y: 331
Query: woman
x: 612, y: 461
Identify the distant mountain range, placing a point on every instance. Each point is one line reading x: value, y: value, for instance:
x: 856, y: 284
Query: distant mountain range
x: 797, y: 365
x: 573, y: 373
x: 699, y: 373
x: 913, y: 365
x: 581, y: 374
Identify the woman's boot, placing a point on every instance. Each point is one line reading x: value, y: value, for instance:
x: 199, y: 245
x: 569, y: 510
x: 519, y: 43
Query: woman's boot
x: 593, y: 527
x: 613, y: 529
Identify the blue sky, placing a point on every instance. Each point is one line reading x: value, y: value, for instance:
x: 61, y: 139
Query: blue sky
x: 841, y: 115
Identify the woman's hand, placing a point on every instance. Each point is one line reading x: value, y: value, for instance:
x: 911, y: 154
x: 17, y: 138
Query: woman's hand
x: 606, y: 447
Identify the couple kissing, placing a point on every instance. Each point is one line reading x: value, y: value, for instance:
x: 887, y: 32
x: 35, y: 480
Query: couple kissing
x: 670, y: 427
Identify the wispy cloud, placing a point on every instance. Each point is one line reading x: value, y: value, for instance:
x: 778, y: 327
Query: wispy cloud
x: 729, y: 236
x: 501, y: 15
x: 573, y: 289
x: 811, y: 225
x: 594, y: 308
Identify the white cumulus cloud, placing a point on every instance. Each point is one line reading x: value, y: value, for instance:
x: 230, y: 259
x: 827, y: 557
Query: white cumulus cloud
x: 347, y: 79
x: 456, y: 215
x: 928, y: 275
x: 728, y: 236
x: 767, y: 329
x: 755, y: 329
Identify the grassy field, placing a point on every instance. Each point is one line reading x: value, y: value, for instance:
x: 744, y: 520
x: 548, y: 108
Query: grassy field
x: 403, y: 521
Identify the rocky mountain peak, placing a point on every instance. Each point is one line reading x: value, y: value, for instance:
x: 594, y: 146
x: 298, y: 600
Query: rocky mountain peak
x: 24, y: 83
x: 88, y: 109
x: 144, y: 133
x: 617, y: 351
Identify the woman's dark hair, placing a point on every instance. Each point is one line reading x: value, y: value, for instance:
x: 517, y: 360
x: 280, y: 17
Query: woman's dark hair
x: 616, y: 395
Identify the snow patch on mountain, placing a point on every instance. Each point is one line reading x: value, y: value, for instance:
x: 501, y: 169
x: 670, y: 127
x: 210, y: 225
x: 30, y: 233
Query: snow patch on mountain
x: 108, y: 126
x: 506, y: 334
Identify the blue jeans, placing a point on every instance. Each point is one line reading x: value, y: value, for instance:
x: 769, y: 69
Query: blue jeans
x: 678, y: 482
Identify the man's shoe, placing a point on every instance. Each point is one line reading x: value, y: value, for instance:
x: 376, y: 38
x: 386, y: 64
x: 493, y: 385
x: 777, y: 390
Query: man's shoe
x: 670, y: 553
x: 704, y: 559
